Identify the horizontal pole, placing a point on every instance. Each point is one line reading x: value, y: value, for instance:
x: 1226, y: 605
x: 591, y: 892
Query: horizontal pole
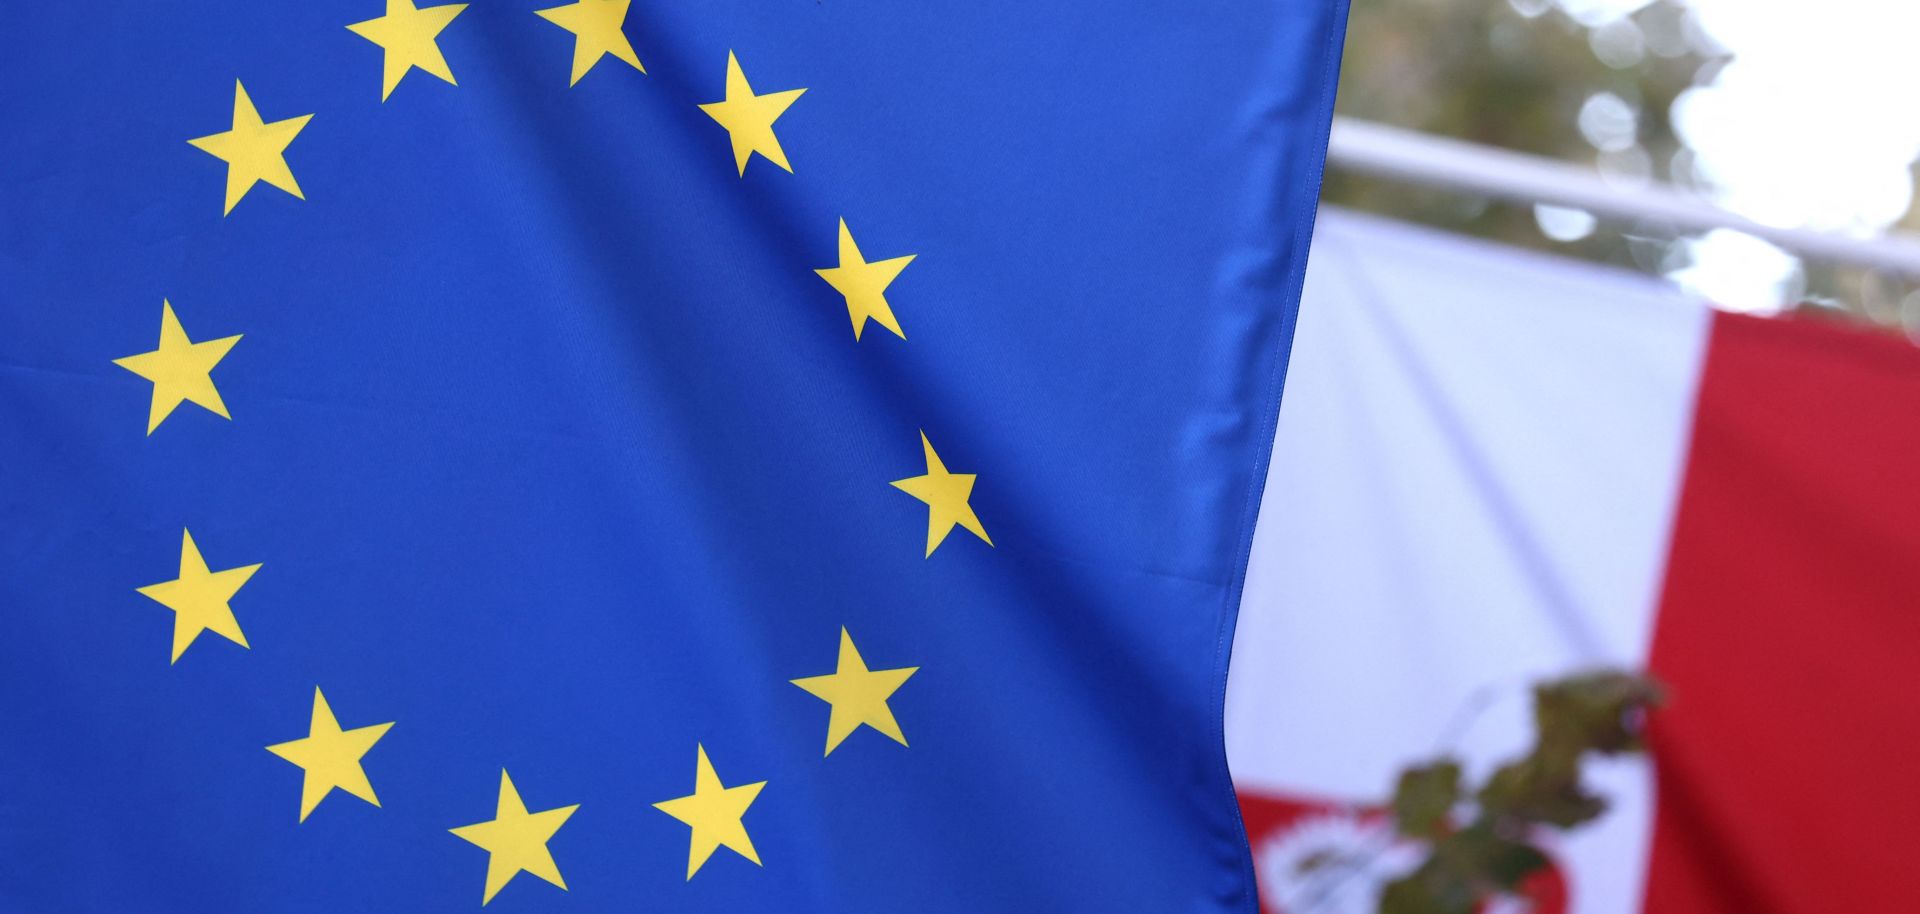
x: 1368, y: 148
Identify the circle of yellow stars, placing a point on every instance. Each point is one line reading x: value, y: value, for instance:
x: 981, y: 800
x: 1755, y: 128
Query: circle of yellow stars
x: 180, y: 370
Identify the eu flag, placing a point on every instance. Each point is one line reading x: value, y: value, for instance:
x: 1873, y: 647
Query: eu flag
x: 618, y: 455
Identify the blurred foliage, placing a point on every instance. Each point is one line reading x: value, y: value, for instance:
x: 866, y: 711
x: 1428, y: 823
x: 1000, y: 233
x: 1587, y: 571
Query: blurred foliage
x: 1516, y: 74
x: 1479, y: 70
x: 1494, y: 852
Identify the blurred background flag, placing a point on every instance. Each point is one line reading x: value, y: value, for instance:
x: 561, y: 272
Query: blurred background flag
x: 1496, y: 466
x: 702, y: 457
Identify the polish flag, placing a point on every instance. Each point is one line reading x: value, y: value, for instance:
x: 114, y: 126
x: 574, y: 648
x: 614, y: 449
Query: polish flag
x: 1494, y: 467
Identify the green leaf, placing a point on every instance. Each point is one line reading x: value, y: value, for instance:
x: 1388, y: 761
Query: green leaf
x: 1536, y: 791
x: 1600, y: 712
x: 1483, y: 857
x: 1470, y: 863
x: 1512, y: 862
x: 1428, y: 890
x: 1425, y: 797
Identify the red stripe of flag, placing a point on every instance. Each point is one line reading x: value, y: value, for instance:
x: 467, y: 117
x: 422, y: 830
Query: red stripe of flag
x: 1789, y: 759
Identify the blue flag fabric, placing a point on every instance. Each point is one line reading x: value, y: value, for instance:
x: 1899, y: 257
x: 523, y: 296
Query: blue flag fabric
x: 725, y: 456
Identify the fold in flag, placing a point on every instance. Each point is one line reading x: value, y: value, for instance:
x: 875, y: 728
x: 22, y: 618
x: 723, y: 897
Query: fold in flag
x: 629, y: 456
x: 1495, y: 467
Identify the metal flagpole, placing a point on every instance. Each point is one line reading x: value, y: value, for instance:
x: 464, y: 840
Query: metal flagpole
x: 1405, y: 155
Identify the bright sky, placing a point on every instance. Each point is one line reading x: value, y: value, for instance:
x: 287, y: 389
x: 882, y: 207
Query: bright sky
x: 1814, y: 122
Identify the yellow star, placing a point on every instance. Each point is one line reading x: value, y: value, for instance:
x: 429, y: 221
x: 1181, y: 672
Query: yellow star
x: 516, y: 840
x: 254, y: 151
x: 749, y: 118
x: 331, y: 757
x: 714, y: 812
x: 407, y: 33
x: 595, y: 25
x: 946, y: 496
x: 858, y: 695
x: 199, y: 598
x: 864, y: 284
x: 180, y: 369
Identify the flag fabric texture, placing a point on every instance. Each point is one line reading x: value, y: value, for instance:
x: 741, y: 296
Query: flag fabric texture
x: 1494, y: 467
x: 630, y: 456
